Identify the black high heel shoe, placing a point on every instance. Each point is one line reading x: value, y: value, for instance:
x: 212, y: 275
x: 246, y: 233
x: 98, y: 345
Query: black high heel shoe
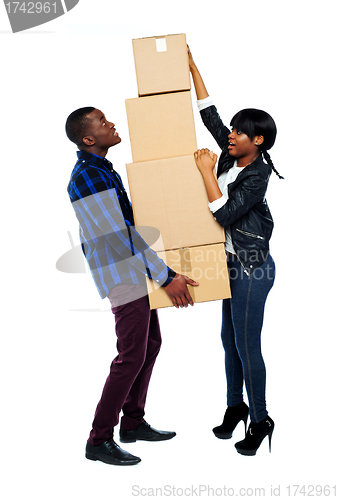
x: 233, y: 415
x: 256, y: 433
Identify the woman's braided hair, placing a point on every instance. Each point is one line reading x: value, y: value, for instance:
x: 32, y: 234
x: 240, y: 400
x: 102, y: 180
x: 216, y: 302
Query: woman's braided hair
x: 257, y: 122
x: 270, y: 162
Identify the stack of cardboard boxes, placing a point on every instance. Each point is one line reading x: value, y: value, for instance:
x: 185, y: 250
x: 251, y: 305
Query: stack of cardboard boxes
x: 167, y: 190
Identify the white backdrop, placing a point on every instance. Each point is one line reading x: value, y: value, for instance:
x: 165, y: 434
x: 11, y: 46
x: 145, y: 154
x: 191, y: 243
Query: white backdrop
x: 58, y: 335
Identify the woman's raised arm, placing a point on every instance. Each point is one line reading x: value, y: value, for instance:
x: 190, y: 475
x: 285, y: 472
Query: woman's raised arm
x: 199, y: 85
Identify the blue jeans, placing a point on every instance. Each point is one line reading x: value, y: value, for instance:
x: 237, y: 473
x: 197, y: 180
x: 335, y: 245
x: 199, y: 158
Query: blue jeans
x: 242, y: 319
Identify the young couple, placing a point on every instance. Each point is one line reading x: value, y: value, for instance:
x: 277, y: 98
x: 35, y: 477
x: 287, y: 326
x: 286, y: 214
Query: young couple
x: 119, y: 260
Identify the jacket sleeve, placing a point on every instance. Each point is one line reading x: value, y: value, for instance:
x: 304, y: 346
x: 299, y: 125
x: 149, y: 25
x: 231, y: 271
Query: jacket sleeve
x: 97, y: 206
x: 248, y: 193
x: 215, y: 125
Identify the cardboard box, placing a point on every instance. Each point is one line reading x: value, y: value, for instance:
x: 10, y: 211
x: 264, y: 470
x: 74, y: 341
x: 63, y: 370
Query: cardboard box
x: 170, y: 195
x: 206, y: 264
x: 161, y: 64
x: 161, y: 126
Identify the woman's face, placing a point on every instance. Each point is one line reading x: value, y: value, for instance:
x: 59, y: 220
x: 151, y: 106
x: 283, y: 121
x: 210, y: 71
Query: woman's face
x: 242, y: 147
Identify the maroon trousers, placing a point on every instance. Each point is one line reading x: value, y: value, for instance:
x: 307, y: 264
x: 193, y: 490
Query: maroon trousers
x: 138, y: 344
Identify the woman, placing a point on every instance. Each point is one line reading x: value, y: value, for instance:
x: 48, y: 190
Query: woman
x: 237, y: 200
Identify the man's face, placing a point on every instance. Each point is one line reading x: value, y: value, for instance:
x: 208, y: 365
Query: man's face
x: 101, y: 131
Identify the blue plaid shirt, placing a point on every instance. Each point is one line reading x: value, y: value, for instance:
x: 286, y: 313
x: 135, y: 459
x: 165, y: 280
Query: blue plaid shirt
x: 115, y: 251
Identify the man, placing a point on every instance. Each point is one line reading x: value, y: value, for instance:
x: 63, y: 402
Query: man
x: 118, y: 259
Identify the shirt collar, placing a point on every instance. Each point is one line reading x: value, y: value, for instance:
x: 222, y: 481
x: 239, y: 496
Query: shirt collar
x: 95, y: 159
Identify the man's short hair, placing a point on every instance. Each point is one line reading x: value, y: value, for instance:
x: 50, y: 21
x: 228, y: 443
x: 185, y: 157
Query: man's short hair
x: 77, y: 123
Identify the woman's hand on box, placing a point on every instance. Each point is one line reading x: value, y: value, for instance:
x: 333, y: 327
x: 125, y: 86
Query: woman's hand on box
x: 205, y: 160
x: 190, y: 59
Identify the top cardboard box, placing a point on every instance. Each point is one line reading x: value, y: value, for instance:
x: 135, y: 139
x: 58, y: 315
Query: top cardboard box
x: 161, y: 64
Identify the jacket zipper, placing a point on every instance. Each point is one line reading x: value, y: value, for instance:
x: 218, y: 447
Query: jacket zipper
x: 250, y: 234
x: 242, y: 265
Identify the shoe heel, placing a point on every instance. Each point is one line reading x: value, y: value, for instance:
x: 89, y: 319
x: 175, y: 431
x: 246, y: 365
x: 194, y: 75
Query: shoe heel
x: 245, y: 422
x: 127, y: 440
x: 270, y: 441
x: 90, y: 457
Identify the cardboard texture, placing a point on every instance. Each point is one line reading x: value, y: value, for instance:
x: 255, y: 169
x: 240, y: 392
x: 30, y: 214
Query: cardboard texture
x: 206, y: 264
x: 161, y: 64
x: 161, y: 126
x: 167, y: 190
x: 170, y: 195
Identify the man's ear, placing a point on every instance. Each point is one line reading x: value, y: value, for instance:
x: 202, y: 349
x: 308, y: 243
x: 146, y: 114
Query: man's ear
x: 258, y: 140
x: 88, y: 140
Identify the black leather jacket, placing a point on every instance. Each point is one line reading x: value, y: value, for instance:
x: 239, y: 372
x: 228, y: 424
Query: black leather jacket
x: 246, y: 210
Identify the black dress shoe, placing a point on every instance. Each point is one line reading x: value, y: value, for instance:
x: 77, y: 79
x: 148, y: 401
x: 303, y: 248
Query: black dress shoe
x: 144, y: 433
x: 256, y: 433
x: 110, y: 453
x: 233, y: 415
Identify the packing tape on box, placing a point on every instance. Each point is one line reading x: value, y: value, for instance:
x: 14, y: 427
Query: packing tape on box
x: 161, y: 44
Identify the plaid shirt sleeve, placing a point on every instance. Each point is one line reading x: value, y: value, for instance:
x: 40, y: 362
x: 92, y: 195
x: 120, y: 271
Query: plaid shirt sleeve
x: 95, y: 199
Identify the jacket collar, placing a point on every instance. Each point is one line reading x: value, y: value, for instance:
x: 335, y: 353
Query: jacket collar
x: 228, y: 163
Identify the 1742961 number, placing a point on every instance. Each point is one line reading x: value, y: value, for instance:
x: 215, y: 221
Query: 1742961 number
x: 298, y: 490
x: 31, y: 7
